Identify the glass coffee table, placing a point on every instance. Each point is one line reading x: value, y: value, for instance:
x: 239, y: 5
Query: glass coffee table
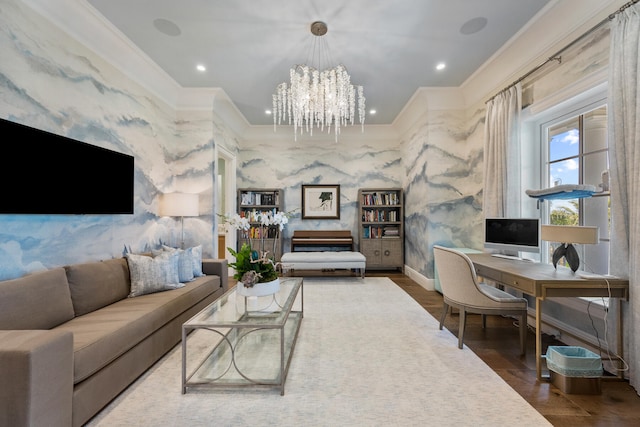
x: 243, y: 341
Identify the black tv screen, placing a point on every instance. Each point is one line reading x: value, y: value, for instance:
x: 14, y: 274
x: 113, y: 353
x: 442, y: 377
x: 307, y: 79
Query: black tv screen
x: 45, y: 173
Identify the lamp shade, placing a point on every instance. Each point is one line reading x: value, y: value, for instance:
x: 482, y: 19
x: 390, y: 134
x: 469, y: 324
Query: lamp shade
x: 179, y: 204
x: 570, y: 234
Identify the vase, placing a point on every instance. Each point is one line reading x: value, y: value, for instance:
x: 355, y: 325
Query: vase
x: 259, y: 289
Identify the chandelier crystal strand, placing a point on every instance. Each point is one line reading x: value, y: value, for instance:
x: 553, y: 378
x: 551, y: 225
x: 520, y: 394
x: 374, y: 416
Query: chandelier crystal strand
x: 318, y: 98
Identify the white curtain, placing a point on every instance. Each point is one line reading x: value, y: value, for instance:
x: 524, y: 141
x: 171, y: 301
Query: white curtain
x: 624, y: 137
x: 501, y: 193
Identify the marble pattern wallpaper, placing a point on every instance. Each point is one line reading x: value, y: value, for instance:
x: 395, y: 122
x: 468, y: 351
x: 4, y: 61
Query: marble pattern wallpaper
x: 443, y: 201
x: 51, y: 82
x: 287, y: 164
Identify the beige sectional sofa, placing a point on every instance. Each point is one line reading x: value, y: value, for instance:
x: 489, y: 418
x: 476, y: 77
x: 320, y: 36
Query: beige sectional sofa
x: 72, y: 338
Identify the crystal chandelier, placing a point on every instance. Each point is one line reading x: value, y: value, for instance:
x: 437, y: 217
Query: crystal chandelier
x: 317, y: 98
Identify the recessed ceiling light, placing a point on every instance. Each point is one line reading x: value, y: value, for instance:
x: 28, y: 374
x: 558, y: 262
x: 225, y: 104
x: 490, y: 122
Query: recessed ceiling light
x: 267, y: 112
x: 441, y: 66
x: 201, y: 67
x: 372, y: 112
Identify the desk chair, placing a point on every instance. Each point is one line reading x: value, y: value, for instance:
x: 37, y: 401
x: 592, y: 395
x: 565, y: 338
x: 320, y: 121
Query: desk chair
x: 461, y: 290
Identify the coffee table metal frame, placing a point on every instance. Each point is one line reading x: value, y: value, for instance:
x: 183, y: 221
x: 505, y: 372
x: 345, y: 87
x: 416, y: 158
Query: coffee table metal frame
x: 243, y: 328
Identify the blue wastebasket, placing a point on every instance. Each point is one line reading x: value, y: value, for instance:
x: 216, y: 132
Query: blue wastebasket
x: 574, y: 370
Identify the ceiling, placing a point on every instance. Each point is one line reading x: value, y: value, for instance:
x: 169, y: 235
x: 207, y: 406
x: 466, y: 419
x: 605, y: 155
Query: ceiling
x: 391, y: 48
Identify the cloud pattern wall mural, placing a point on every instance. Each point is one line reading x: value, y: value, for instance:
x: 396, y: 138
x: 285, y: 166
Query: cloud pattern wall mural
x: 286, y: 164
x: 443, y: 163
x: 49, y: 81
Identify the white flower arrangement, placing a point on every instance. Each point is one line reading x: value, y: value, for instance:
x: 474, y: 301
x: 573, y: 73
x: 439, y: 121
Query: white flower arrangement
x: 251, y: 266
x: 236, y: 222
x: 266, y: 220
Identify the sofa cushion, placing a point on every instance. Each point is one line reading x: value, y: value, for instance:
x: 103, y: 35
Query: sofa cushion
x: 37, y: 301
x: 102, y: 336
x: 94, y: 285
x: 149, y: 275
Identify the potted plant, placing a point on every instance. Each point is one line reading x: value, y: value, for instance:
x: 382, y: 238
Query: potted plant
x: 253, y: 267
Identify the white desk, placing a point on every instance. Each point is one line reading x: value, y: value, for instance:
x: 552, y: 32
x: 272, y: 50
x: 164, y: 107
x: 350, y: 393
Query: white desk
x: 542, y: 281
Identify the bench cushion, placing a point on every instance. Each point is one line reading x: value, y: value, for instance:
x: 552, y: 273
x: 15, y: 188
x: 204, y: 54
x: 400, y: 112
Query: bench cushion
x: 342, y: 260
x: 323, y: 257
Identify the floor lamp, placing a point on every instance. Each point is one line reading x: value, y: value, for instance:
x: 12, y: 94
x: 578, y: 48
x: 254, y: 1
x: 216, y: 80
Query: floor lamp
x: 567, y: 235
x: 179, y: 204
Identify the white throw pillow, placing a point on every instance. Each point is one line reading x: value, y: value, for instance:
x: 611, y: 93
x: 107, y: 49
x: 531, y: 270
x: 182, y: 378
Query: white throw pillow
x: 149, y: 275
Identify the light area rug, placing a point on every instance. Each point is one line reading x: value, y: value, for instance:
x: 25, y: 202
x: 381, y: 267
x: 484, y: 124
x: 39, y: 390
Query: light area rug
x: 367, y: 355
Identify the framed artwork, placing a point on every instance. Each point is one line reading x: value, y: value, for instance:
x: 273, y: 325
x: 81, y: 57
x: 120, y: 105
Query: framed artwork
x: 320, y: 201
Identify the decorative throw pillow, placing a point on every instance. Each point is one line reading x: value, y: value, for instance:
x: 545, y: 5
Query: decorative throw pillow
x: 149, y: 275
x: 196, y: 251
x: 185, y: 263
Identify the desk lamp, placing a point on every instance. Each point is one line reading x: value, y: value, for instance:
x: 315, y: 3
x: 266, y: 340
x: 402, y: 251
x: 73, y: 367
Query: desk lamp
x: 179, y: 204
x: 568, y: 235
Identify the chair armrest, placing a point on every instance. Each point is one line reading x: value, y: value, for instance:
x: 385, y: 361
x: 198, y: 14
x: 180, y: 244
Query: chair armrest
x: 217, y: 267
x: 36, y: 373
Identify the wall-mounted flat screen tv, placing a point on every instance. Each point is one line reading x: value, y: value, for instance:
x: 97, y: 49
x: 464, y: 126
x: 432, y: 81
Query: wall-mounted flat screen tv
x: 511, y: 235
x: 45, y: 173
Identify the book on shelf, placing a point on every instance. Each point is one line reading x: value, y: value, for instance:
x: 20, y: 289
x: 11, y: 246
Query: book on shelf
x: 256, y: 198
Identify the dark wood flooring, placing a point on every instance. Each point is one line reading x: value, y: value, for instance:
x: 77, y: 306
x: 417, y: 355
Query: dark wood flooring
x: 498, y: 346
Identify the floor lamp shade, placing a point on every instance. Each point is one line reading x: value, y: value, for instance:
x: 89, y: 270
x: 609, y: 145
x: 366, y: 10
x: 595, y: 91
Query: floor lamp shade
x: 179, y: 204
x: 567, y: 235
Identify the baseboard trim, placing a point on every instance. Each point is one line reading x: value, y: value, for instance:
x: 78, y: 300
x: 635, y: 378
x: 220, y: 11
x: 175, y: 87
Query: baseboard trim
x: 425, y: 282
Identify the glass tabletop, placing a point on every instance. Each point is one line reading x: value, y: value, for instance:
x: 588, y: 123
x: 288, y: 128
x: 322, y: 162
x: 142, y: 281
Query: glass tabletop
x: 234, y: 310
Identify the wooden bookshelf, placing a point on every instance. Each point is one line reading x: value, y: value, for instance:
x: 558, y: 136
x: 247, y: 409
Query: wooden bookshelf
x: 381, y: 227
x: 252, y: 201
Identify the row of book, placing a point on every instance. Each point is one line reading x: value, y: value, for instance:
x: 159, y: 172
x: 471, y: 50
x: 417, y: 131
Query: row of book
x: 260, y: 233
x: 253, y: 215
x: 381, y: 199
x: 380, y: 232
x: 251, y: 198
x: 375, y: 215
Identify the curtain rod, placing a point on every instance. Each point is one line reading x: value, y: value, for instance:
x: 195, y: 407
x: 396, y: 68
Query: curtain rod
x: 557, y: 56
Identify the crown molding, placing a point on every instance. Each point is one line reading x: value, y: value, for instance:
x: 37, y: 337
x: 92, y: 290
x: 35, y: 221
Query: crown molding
x: 555, y: 26
x: 81, y: 21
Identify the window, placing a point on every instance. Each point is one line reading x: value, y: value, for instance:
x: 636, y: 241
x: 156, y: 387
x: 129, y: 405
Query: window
x: 577, y: 153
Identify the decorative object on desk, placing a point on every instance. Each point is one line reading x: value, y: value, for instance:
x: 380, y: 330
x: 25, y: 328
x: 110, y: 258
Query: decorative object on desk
x: 321, y: 202
x: 179, y: 204
x: 318, y: 96
x: 568, y: 235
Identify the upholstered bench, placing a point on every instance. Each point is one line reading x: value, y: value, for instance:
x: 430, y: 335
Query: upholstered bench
x: 327, y: 260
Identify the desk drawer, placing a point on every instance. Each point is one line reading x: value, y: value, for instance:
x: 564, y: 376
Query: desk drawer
x: 520, y: 283
x: 487, y: 273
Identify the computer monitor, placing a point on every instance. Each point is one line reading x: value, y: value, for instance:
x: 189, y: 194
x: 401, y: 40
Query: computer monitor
x: 512, y: 235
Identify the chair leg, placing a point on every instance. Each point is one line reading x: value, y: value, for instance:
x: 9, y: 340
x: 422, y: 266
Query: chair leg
x: 463, y: 321
x: 445, y: 309
x: 523, y: 334
x: 484, y: 321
